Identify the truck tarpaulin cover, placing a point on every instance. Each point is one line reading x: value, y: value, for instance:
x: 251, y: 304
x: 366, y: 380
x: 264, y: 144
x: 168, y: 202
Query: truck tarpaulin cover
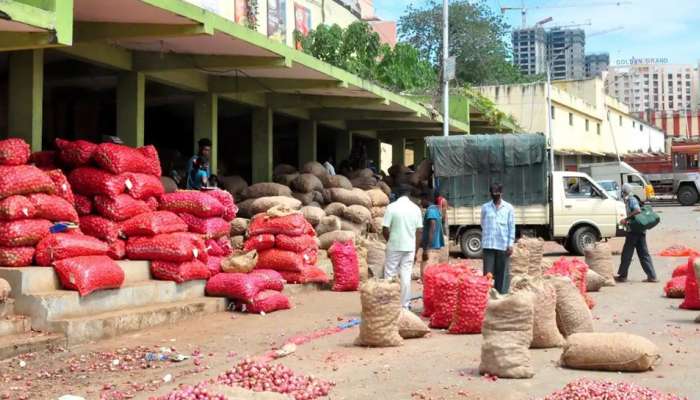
x: 466, y: 165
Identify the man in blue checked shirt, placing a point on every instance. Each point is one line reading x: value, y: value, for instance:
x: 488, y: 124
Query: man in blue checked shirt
x: 497, y: 237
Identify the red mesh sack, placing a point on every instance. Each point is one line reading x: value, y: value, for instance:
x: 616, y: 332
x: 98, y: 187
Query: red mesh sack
x: 575, y: 270
x: 16, y: 256
x: 173, y: 247
x: 118, y: 159
x: 675, y: 287
x: 120, y: 208
x: 153, y: 203
x: 308, y: 274
x: 429, y: 275
x: 280, y: 260
x: 199, y: 204
x: 681, y: 270
x: 297, y: 244
x: 292, y: 225
x: 445, y: 300
x: 44, y: 159
x: 14, y: 151
x: 225, y: 243
x: 346, y: 270
x: 76, y: 153
x: 24, y: 232
x: 214, y: 265
x: 692, y: 297
x: 83, y: 205
x: 23, y: 180
x: 268, y: 301
x: 211, y: 228
x: 179, y: 272
x: 472, y: 297
x: 214, y: 249
x: 16, y: 207
x: 226, y: 200
x: 678, y: 250
x: 87, y: 274
x: 117, y: 250
x: 259, y: 242
x: 62, y: 187
x: 143, y: 186
x: 99, y: 227
x: 273, y: 279
x: 59, y: 246
x: 90, y: 181
x: 53, y: 208
x: 238, y: 286
x: 153, y: 223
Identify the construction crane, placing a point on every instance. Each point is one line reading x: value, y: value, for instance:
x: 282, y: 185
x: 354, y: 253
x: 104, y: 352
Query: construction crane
x: 523, y: 10
x: 587, y: 23
x: 606, y: 31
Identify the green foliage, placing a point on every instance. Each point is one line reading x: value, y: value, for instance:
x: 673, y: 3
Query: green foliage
x: 401, y: 68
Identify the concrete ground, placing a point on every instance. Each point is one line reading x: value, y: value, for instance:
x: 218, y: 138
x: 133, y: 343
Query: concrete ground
x: 441, y: 366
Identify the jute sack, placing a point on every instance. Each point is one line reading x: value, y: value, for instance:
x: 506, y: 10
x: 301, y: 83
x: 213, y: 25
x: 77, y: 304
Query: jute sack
x: 245, y: 208
x: 619, y: 352
x: 233, y: 184
x: 535, y: 246
x: 324, y: 263
x: 239, y: 226
x: 507, y: 334
x: 378, y: 198
x: 284, y: 169
x: 286, y: 179
x: 263, y: 204
x: 313, y: 214
x: 336, y: 181
x: 411, y: 326
x: 573, y: 315
x: 376, y: 256
x: 350, y: 197
x: 376, y: 225
x: 545, y: 333
x: 357, y: 214
x: 519, y: 260
x: 364, y: 183
x: 594, y: 281
x: 5, y: 290
x: 599, y: 259
x: 306, y: 183
x: 357, y: 229
x: 237, y: 242
x: 240, y: 261
x: 336, y: 209
x: 266, y: 189
x: 378, y: 212
x: 304, y: 198
x: 417, y: 269
x: 327, y: 239
x: 315, y: 168
x: 381, y: 311
x: 384, y: 187
x: 329, y: 223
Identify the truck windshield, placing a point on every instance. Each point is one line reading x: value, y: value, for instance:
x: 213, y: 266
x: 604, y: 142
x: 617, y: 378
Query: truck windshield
x: 578, y: 187
x: 635, y: 180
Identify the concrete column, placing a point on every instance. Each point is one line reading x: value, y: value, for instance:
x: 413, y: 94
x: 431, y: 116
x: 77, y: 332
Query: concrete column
x: 307, y: 142
x: 206, y: 125
x: 398, y: 150
x: 374, y: 151
x: 262, y: 145
x: 420, y: 152
x: 131, y: 107
x: 343, y: 146
x: 26, y: 96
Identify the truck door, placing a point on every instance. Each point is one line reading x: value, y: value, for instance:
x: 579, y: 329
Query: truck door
x: 582, y: 202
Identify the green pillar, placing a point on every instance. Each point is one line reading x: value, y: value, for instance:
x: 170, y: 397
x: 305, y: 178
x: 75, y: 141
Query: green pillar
x: 131, y: 107
x: 419, y: 151
x: 398, y: 150
x: 343, y: 146
x: 26, y: 96
x: 307, y: 143
x: 262, y: 145
x: 206, y: 125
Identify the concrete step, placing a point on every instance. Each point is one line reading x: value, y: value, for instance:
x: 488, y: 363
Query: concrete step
x: 14, y: 324
x: 13, y: 345
x: 7, y: 307
x: 114, y: 323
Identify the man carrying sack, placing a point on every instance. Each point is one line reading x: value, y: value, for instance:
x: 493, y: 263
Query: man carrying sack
x: 635, y: 239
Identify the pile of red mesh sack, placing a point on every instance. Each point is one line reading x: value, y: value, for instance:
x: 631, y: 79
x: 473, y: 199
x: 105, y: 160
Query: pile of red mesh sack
x: 576, y: 270
x: 454, y: 297
x: 257, y: 292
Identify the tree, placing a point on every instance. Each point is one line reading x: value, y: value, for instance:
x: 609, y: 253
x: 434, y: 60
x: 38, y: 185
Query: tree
x: 477, y: 39
x: 402, y: 69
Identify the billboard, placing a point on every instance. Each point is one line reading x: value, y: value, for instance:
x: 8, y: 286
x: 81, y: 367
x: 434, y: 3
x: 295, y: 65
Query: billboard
x: 241, y: 12
x: 276, y: 19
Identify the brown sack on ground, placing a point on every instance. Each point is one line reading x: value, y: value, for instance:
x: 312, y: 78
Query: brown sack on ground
x: 376, y: 255
x: 239, y: 226
x: 324, y: 263
x: 535, y: 246
x: 329, y: 223
x: 545, y: 333
x: 314, y: 168
x: 519, y: 260
x: 618, y: 352
x: 237, y: 242
x: 263, y: 204
x: 378, y: 212
x: 327, y: 239
x: 376, y: 225
x: 306, y: 183
x: 384, y: 186
x: 364, y: 183
x: 313, y: 214
x: 594, y: 281
x: 378, y: 198
x: 573, y: 315
x: 284, y: 169
x: 381, y: 311
x: 599, y: 259
x: 350, y: 226
x: 411, y: 326
x: 357, y: 214
x: 240, y: 261
x: 266, y: 189
x: 286, y: 179
x: 233, y: 184
x: 245, y: 208
x: 336, y: 181
x: 361, y: 251
x: 336, y: 209
x: 350, y: 197
x: 304, y: 198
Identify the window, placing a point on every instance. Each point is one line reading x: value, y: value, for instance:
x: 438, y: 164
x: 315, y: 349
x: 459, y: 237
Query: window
x: 620, y: 118
x: 571, y: 119
x: 597, y: 128
x: 552, y: 112
x: 579, y: 188
x: 586, y: 125
x: 635, y: 180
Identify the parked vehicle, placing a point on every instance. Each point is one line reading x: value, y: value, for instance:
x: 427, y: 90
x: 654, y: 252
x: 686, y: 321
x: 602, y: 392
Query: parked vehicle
x: 568, y: 207
x: 674, y: 175
x: 611, y: 188
x: 622, y: 173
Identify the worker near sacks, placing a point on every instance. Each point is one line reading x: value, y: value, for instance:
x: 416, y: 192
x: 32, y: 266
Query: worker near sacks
x: 634, y: 240
x: 403, y: 230
x: 497, y: 237
x: 432, y: 240
x: 204, y: 152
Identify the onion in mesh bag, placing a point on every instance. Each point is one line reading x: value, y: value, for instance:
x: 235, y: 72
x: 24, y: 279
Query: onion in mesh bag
x: 23, y: 180
x: 14, y: 151
x: 87, y: 274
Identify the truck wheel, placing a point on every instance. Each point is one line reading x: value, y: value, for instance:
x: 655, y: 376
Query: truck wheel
x: 687, y: 195
x: 582, y: 238
x: 470, y: 242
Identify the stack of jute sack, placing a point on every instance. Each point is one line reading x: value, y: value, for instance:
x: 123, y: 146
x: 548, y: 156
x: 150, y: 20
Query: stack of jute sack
x: 260, y: 197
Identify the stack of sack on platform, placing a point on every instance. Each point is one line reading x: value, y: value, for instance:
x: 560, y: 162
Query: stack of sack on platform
x: 260, y: 197
x: 256, y: 292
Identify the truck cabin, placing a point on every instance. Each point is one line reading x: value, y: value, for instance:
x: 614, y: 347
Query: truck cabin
x: 686, y: 158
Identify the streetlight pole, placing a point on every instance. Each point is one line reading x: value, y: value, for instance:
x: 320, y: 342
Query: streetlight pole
x: 550, y: 132
x: 445, y: 78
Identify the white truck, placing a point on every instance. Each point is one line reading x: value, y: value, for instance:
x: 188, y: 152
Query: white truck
x: 622, y: 173
x: 567, y: 207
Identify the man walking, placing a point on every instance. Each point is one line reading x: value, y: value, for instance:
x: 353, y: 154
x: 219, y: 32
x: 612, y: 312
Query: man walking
x: 204, y: 145
x: 402, y: 229
x: 634, y: 240
x: 497, y: 237
x: 432, y: 239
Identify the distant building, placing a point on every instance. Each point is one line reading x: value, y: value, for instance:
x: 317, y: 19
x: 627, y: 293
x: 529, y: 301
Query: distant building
x: 530, y: 50
x: 596, y: 64
x: 567, y: 48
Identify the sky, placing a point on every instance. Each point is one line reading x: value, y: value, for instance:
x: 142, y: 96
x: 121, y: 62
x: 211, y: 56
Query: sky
x: 649, y: 28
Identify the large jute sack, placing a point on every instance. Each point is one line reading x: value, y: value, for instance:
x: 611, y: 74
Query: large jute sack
x: 362, y: 173
x: 350, y: 197
x: 262, y: 204
x: 284, y: 169
x: 306, y: 183
x: 594, y: 281
x: 384, y: 187
x: 361, y: 251
x: 535, y: 246
x: 240, y: 261
x: 336, y: 209
x: 314, y: 168
x: 619, y: 352
x: 245, y: 208
x: 313, y: 214
x: 233, y: 184
x: 378, y: 212
x: 324, y: 262
x: 364, y: 183
x: 378, y: 198
x: 599, y: 259
x: 573, y: 314
x: 336, y: 181
x: 266, y: 189
x: 545, y: 333
x: 376, y: 225
x: 411, y: 326
x: 168, y: 184
x: 286, y: 179
x: 329, y: 223
x: 376, y: 255
x: 237, y: 242
x: 327, y: 239
x: 350, y: 226
x: 381, y: 311
x: 239, y: 226
x: 357, y: 214
x: 304, y: 198
x: 507, y: 334
x: 519, y: 260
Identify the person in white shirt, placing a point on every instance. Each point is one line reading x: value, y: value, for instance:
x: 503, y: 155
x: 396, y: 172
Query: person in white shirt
x: 402, y: 229
x: 329, y: 166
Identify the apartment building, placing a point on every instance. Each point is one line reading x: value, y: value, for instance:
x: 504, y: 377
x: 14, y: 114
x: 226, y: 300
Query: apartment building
x: 596, y: 64
x: 530, y: 50
x: 534, y: 47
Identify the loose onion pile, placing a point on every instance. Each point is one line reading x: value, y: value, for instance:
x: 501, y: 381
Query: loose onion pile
x: 606, y: 390
x: 198, y: 392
